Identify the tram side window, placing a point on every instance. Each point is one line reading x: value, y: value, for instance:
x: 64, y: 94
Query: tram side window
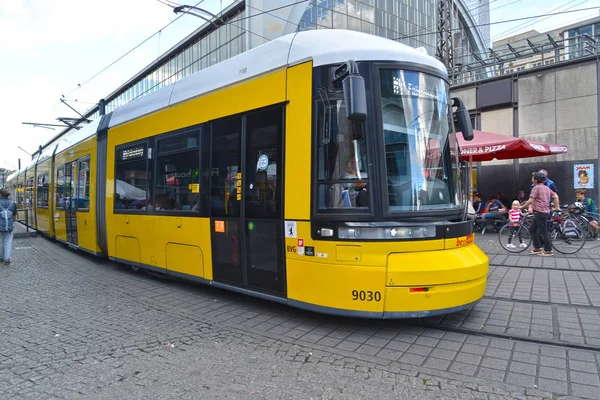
x: 178, y: 173
x: 60, y: 187
x: 29, y: 192
x: 225, y: 174
x: 132, y: 178
x: 83, y: 185
x: 43, y: 185
x: 341, y: 160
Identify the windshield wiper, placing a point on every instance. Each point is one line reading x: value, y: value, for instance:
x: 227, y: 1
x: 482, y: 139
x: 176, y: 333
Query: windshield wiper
x: 325, y: 134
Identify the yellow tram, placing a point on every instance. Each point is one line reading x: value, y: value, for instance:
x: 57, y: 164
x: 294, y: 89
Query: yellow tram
x: 320, y: 170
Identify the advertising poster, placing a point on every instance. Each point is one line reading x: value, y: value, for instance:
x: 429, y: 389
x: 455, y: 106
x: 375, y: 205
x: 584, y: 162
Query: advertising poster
x: 583, y: 176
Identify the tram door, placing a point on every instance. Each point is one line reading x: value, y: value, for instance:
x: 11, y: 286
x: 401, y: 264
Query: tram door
x: 70, y: 202
x: 246, y: 201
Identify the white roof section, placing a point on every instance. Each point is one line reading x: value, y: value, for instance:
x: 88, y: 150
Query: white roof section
x: 12, y: 176
x: 82, y: 134
x: 46, y: 154
x: 323, y: 47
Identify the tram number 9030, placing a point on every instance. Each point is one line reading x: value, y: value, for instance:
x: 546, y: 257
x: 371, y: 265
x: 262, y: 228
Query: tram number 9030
x: 366, y: 295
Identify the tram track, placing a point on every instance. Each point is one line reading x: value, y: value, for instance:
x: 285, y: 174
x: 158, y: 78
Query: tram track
x: 499, y: 335
x: 554, y: 329
x: 541, y: 303
x: 545, y: 268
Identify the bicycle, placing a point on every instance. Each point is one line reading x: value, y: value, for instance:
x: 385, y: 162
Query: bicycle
x: 566, y: 234
x: 515, y: 230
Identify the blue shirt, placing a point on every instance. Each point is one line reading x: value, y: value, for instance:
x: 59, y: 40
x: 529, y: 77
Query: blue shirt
x: 495, y: 205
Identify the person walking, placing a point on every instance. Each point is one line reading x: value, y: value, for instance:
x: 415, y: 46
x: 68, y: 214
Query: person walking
x: 540, y: 202
x: 8, y: 215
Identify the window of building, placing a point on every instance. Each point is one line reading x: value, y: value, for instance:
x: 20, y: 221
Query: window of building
x: 550, y: 61
x: 178, y: 173
x: 133, y: 177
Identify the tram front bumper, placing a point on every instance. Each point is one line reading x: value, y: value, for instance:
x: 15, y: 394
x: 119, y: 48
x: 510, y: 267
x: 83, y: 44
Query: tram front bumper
x: 430, y: 283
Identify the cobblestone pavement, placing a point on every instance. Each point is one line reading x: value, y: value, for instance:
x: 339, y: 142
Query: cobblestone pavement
x: 74, y: 326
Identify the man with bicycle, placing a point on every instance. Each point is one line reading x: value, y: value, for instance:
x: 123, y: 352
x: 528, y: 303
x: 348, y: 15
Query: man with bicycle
x: 590, y: 209
x: 540, y: 202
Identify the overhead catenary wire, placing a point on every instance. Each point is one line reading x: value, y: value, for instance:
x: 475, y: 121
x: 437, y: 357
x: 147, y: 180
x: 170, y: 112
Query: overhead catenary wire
x: 501, y: 22
x: 126, y: 54
x: 170, y: 23
x: 504, y: 35
x: 304, y: 1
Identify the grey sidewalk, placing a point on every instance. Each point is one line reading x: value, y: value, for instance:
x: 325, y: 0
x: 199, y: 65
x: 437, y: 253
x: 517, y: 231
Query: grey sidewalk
x: 507, y: 341
x: 22, y: 231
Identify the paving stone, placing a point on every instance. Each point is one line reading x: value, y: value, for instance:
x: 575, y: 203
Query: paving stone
x: 553, y: 373
x: 437, y: 363
x: 208, y: 329
x: 554, y: 386
x: 495, y: 363
x: 585, y: 378
x: 520, y: 379
x: 522, y: 368
x: 585, y: 391
x: 462, y: 368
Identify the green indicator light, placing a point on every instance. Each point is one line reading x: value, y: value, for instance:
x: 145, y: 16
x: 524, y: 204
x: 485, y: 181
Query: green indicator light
x: 251, y: 226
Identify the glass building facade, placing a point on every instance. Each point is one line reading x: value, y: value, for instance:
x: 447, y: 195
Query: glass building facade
x: 412, y: 22
x: 243, y: 25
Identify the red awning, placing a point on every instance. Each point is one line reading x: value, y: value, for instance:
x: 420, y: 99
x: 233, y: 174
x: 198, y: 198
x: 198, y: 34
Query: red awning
x: 487, y: 146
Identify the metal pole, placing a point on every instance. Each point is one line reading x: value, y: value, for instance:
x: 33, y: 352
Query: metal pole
x: 444, y: 48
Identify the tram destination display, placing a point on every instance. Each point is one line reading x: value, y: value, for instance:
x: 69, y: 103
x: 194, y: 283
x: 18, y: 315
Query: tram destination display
x: 132, y: 153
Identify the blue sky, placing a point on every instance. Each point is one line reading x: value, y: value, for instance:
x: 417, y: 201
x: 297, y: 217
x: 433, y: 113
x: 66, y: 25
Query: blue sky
x: 49, y: 47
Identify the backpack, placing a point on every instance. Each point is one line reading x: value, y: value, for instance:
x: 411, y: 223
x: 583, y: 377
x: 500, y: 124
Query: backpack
x: 570, y: 229
x: 6, y: 218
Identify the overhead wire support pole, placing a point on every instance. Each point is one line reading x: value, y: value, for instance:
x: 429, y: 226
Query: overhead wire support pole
x: 215, y: 17
x: 40, y: 125
x: 83, y: 118
x: 444, y: 50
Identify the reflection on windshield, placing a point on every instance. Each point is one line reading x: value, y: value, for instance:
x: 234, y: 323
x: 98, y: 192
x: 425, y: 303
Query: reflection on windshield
x: 342, y: 160
x: 414, y: 110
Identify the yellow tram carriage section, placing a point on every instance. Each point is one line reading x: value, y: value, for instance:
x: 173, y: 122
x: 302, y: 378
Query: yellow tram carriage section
x: 319, y: 170
x: 61, y: 203
x: 74, y: 188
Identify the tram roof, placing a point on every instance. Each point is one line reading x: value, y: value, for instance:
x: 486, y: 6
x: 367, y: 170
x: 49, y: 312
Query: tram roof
x: 77, y: 136
x: 323, y: 47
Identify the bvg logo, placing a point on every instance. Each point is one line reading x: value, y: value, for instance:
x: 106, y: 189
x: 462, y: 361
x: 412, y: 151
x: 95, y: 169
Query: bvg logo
x: 465, y: 240
x: 291, y: 249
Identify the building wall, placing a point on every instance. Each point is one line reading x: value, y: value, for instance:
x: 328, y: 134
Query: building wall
x: 558, y: 105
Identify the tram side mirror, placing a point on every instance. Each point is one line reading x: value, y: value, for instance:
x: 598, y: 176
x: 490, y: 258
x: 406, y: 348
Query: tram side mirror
x: 463, y: 119
x: 355, y: 95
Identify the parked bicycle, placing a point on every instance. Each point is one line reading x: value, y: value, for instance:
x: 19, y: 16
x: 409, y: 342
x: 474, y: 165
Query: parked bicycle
x: 565, y: 231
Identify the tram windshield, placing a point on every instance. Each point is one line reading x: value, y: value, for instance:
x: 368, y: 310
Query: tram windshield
x: 420, y: 151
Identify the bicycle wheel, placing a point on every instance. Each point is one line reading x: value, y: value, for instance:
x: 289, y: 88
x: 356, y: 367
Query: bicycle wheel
x: 566, y: 244
x: 588, y: 231
x: 514, y: 239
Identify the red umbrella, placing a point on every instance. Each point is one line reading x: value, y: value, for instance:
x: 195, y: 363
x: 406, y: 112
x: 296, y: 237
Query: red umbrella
x: 487, y: 146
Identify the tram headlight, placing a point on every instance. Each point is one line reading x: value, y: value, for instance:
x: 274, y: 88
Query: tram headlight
x: 386, y: 233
